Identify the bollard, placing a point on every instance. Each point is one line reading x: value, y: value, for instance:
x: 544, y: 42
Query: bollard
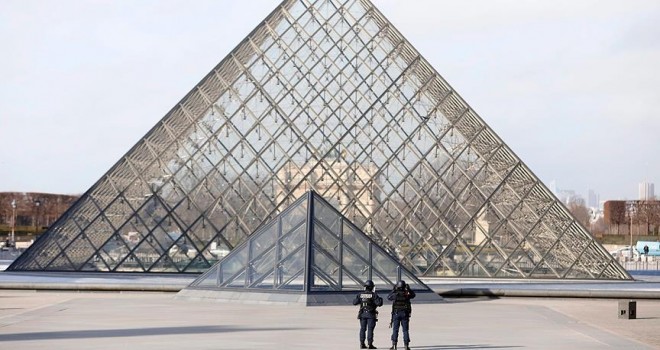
x: 628, y: 309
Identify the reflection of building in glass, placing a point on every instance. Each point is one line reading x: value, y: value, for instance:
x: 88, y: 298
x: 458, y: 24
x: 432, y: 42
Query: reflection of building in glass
x: 417, y: 168
x: 352, y: 187
x: 481, y: 227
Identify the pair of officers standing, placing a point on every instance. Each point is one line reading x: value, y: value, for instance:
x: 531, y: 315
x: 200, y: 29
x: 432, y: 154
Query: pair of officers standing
x: 369, y: 301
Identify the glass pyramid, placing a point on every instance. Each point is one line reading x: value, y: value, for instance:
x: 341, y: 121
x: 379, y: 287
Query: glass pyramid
x: 324, y: 95
x: 311, y: 249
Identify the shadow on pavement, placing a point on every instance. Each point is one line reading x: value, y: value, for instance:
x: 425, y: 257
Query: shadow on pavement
x: 461, y: 346
x: 468, y: 299
x: 130, y: 332
x: 479, y: 292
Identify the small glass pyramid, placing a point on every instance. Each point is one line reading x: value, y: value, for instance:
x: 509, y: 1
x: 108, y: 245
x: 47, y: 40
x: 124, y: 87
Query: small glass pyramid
x: 311, y: 249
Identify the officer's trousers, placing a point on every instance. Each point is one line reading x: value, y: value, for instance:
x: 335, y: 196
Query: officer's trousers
x: 367, y: 325
x: 403, y: 319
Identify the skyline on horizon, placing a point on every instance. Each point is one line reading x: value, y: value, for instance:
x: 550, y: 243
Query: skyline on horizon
x: 80, y: 91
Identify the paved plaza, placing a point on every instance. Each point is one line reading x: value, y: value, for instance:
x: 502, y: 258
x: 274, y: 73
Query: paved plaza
x: 154, y: 320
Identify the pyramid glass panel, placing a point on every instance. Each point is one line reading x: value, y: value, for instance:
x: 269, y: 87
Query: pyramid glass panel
x: 290, y: 271
x: 260, y: 269
x: 210, y: 277
x: 356, y: 269
x: 325, y: 96
x: 233, y: 265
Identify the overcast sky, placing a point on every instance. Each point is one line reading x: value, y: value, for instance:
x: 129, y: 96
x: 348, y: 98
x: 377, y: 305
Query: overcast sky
x: 573, y: 87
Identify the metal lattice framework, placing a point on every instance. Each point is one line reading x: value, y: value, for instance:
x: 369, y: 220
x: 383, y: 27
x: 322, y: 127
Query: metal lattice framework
x: 324, y: 95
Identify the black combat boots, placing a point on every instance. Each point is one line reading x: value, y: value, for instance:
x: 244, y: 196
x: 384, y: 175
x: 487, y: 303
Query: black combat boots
x: 393, y: 346
x: 371, y: 346
x: 362, y: 346
x: 406, y: 346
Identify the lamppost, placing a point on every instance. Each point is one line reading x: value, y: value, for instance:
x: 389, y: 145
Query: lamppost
x: 37, y: 204
x: 631, y: 231
x: 13, y: 221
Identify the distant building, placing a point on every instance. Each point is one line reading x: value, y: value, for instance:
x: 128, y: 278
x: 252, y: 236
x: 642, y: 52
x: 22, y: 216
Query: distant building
x: 646, y: 191
x: 30, y: 213
x: 593, y: 199
x: 570, y: 197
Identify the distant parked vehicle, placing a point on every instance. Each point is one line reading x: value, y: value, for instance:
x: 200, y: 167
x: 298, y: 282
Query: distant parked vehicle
x: 624, y: 253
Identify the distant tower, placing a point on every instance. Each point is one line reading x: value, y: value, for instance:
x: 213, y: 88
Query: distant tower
x: 593, y: 199
x: 646, y: 191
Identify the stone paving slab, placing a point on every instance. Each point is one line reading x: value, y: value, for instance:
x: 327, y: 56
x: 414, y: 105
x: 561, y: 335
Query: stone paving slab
x: 103, y: 320
x: 103, y: 281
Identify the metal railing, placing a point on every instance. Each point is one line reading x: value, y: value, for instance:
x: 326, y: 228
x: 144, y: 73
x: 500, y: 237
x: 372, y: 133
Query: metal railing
x: 642, y: 265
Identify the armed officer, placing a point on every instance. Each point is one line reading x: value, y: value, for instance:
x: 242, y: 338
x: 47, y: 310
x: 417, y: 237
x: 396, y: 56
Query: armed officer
x: 368, y: 301
x: 401, y: 311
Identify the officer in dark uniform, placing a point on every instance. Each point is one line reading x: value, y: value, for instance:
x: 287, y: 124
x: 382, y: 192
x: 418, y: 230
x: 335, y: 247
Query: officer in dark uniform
x: 401, y: 311
x: 368, y: 301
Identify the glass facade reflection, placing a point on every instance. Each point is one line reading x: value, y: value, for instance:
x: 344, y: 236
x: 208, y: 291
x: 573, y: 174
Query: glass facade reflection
x: 324, y: 95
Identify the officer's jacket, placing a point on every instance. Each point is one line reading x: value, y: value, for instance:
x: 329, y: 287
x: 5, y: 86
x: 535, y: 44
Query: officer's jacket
x: 368, y: 301
x: 401, y: 300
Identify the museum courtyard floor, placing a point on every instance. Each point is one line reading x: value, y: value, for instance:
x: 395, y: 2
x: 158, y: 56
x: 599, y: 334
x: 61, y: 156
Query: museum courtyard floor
x: 31, y: 319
